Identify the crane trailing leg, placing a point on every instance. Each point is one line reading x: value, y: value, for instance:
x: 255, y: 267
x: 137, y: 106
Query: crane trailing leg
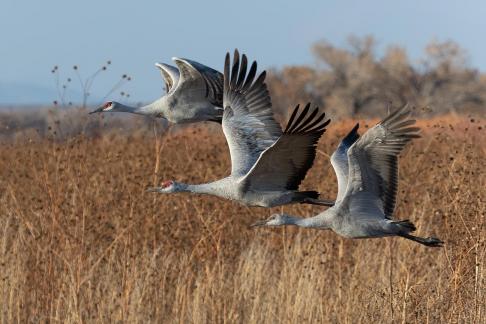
x: 408, y: 227
x: 428, y: 241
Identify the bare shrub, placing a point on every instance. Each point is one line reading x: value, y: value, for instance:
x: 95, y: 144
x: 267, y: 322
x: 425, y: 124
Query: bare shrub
x: 354, y: 81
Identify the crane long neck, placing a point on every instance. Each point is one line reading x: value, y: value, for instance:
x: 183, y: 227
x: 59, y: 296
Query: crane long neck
x: 312, y: 222
x: 205, y: 188
x: 153, y: 108
x: 150, y: 109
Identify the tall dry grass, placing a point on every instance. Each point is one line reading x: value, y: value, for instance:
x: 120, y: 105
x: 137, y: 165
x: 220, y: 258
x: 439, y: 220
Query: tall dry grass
x: 81, y: 240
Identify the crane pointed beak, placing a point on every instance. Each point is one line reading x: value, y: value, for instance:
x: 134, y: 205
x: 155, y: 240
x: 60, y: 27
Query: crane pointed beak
x: 259, y: 223
x: 97, y: 110
x: 153, y: 189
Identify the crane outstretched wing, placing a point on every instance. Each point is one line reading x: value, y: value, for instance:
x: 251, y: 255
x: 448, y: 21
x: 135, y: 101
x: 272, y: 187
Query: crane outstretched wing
x: 339, y: 161
x: 170, y: 74
x: 199, y: 80
x: 248, y: 122
x: 284, y: 165
x: 373, y: 159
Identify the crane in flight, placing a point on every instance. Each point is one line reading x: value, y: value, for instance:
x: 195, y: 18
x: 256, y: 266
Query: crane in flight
x: 267, y: 165
x: 367, y: 174
x: 194, y: 93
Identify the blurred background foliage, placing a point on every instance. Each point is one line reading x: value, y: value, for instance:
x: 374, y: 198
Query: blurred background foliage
x: 355, y: 81
x: 350, y: 81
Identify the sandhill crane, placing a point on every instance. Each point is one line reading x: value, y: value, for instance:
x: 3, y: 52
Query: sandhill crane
x: 194, y: 93
x: 367, y: 173
x: 267, y: 165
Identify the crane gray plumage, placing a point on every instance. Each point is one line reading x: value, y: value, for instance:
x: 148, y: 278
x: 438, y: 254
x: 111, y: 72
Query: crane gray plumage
x: 194, y: 92
x: 367, y: 171
x: 197, y: 81
x: 267, y: 165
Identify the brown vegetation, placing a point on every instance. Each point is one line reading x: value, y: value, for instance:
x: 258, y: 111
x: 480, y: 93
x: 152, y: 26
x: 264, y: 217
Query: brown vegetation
x: 81, y: 240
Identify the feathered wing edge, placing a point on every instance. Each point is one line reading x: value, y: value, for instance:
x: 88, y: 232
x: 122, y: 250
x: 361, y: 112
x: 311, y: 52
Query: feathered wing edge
x: 398, y: 125
x: 248, y: 122
x: 373, y: 159
x: 314, y: 127
x: 241, y: 90
x: 213, y: 80
x: 311, y: 126
x: 284, y: 165
x: 197, y: 79
x: 351, y: 137
x: 170, y: 75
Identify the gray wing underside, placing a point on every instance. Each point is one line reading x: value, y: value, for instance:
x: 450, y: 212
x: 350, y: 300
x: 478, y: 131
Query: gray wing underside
x: 284, y: 165
x: 248, y: 122
x: 199, y: 82
x: 339, y: 161
x: 373, y: 160
x: 170, y: 74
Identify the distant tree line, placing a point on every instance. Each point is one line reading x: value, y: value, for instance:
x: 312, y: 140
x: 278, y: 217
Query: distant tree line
x: 350, y: 81
x: 355, y: 81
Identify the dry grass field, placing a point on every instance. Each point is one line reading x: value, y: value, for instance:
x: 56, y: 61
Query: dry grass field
x: 82, y: 242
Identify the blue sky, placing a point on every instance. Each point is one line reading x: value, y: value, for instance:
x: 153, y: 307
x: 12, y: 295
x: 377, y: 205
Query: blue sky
x: 36, y: 35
